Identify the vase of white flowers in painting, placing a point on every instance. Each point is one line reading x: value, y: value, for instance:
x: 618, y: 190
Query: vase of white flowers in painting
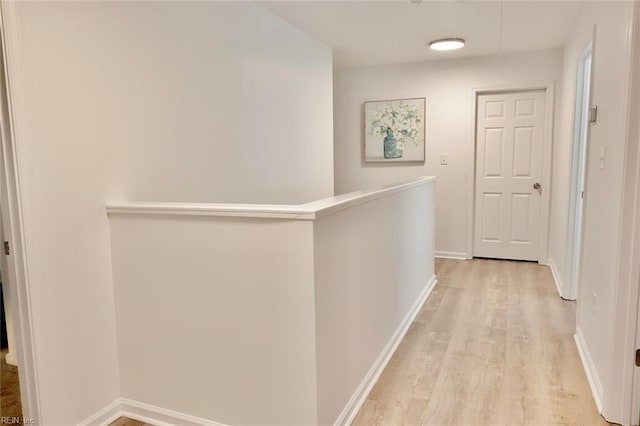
x: 390, y: 146
x: 397, y: 122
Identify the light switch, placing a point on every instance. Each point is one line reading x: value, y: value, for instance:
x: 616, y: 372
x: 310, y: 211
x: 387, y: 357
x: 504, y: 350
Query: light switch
x: 443, y: 160
x: 602, y: 157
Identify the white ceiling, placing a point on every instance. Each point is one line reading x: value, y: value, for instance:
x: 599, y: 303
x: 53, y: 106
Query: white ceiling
x: 386, y: 32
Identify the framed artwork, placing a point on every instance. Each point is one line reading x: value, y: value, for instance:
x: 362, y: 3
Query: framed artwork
x: 394, y: 130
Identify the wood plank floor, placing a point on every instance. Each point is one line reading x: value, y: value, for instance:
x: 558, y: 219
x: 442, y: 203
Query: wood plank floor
x: 125, y: 421
x: 493, y: 345
x: 10, y: 404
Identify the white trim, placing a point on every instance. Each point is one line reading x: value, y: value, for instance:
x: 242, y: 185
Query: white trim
x: 619, y: 396
x: 471, y: 196
x: 556, y: 277
x: 268, y: 211
x: 16, y: 234
x: 545, y: 206
x: 451, y: 255
x: 309, y: 211
x: 159, y: 416
x: 575, y: 217
x: 151, y: 414
x: 589, y: 368
x: 105, y: 415
x: 11, y: 359
x: 358, y: 398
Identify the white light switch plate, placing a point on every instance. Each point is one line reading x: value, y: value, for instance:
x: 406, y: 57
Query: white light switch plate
x: 603, y: 156
x: 443, y: 160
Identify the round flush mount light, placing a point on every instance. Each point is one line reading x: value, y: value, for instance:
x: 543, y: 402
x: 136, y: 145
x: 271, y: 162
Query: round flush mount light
x: 447, y: 44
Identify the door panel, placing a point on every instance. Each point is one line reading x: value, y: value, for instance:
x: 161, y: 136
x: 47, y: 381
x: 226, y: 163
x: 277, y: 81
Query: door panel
x: 494, y: 109
x: 509, y: 152
x: 525, y: 107
x: 493, y: 152
x: 522, y: 151
x: 520, y: 208
x: 491, y: 211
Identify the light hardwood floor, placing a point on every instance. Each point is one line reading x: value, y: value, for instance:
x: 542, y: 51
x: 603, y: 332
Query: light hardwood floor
x: 125, y: 421
x: 493, y: 345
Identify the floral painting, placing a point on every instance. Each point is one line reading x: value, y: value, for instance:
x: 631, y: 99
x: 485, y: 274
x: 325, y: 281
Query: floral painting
x: 394, y: 130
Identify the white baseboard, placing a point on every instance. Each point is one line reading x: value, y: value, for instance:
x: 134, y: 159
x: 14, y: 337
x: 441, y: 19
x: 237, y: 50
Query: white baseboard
x: 589, y: 369
x: 451, y: 255
x: 105, y: 416
x: 146, y: 413
x: 358, y: 398
x: 11, y: 358
x: 163, y: 417
x: 556, y: 276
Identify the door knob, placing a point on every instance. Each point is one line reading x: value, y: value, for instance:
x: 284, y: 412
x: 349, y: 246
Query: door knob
x: 536, y: 185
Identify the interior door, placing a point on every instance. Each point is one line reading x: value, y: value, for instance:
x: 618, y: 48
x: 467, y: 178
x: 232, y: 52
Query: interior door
x: 509, y: 154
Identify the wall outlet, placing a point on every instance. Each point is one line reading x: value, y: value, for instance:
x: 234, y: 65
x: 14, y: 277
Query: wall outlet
x: 594, y: 303
x: 444, y: 160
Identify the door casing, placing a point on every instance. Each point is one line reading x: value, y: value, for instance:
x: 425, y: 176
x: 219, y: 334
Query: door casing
x: 549, y: 89
x: 579, y: 156
x: 11, y: 209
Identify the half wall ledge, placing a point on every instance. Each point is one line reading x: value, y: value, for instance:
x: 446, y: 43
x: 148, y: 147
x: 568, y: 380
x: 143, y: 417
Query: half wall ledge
x: 265, y: 314
x: 309, y: 211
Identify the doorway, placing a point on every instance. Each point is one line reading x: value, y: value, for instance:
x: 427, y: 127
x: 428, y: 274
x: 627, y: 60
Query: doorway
x: 11, y: 400
x: 578, y: 173
x: 512, y: 145
x: 14, y: 278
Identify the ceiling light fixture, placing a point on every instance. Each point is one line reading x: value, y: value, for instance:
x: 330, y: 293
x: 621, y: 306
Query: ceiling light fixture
x: 447, y: 44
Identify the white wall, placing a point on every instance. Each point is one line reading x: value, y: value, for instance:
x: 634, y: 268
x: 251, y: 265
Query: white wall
x: 610, y: 92
x: 268, y: 317
x: 373, y: 263
x: 158, y: 101
x: 220, y: 326
x: 242, y: 105
x: 447, y: 86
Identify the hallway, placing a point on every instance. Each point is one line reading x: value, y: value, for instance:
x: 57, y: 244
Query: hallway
x: 493, y: 345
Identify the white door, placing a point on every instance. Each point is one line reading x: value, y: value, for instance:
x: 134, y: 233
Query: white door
x: 509, y: 152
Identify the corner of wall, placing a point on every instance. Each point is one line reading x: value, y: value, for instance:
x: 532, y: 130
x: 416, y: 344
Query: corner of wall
x: 589, y: 367
x: 148, y: 414
x: 357, y: 400
x: 556, y: 276
x: 452, y: 255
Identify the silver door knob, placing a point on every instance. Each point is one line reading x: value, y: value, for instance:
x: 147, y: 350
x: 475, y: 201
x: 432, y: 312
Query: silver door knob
x: 536, y: 185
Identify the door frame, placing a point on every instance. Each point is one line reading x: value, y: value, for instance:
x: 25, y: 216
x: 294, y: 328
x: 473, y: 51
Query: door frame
x: 623, y: 385
x: 575, y: 227
x: 634, y: 414
x: 12, y: 214
x: 623, y: 388
x: 549, y: 89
